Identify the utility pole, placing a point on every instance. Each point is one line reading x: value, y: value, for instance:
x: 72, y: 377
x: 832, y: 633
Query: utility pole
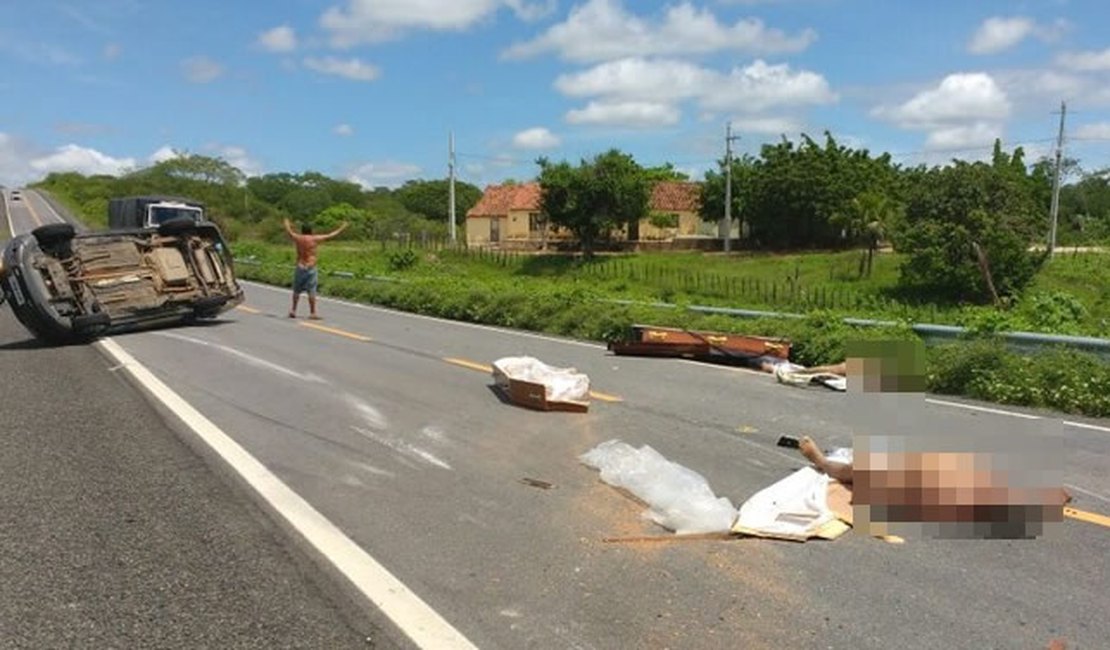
x: 1055, y: 211
x: 451, y: 185
x: 725, y: 227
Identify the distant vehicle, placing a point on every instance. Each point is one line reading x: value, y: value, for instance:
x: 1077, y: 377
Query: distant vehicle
x: 68, y: 287
x: 151, y: 211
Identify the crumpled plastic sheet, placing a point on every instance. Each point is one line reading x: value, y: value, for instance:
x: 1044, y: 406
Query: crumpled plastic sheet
x: 560, y: 384
x: 680, y: 499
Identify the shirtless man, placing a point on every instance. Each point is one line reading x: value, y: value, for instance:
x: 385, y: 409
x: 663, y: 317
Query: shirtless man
x: 304, y: 277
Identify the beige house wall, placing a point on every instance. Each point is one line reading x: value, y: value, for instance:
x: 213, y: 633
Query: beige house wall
x: 477, y: 231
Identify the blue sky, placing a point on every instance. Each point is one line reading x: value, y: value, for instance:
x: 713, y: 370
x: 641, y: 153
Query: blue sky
x: 369, y: 89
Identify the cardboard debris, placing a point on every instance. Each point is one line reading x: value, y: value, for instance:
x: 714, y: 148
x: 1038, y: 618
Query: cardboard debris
x: 795, y: 508
x: 531, y: 383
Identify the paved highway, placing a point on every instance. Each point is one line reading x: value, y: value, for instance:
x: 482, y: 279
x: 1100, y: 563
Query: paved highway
x: 386, y: 425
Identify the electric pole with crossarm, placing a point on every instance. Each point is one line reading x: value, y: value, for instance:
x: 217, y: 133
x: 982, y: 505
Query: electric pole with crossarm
x: 725, y: 227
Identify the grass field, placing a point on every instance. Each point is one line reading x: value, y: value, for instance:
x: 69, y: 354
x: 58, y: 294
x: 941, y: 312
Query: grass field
x: 785, y: 282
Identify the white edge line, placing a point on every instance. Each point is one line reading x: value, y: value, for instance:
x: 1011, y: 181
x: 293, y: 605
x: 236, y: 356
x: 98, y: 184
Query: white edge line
x: 397, y: 312
x: 984, y: 409
x: 8, y: 214
x: 1087, y: 492
x: 423, y: 625
x: 1084, y: 425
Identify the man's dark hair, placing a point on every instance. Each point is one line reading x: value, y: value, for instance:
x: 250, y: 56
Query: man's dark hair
x: 306, y: 229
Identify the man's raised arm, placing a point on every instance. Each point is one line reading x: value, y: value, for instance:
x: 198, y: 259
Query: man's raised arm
x: 289, y: 228
x: 333, y: 233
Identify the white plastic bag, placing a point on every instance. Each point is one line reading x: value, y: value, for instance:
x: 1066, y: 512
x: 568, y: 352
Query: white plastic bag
x: 560, y: 384
x: 680, y: 499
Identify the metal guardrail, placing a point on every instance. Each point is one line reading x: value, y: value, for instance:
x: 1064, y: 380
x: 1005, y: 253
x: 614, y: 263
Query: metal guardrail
x: 927, y: 331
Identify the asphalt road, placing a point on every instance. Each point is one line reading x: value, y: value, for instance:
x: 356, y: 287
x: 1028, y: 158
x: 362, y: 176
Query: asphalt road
x: 381, y: 421
x: 113, y: 533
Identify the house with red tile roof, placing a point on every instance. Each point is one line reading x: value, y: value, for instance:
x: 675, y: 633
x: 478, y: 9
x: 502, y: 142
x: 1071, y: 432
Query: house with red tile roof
x: 511, y: 213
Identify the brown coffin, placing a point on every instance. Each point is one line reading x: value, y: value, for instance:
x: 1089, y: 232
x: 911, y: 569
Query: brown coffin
x: 650, y: 340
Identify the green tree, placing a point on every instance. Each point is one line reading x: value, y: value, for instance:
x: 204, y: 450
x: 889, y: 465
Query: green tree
x: 868, y: 219
x: 967, y: 230
x: 596, y: 197
x: 431, y: 198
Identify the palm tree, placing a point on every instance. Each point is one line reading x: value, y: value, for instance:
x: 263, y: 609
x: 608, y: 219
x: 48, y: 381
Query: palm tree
x: 870, y: 218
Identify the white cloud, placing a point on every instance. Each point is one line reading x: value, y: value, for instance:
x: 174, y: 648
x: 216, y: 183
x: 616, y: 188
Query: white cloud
x: 997, y: 34
x: 374, y: 21
x: 353, y: 68
x: 14, y: 154
x: 278, y: 39
x: 760, y: 86
x: 625, y: 114
x: 1095, y: 131
x: 751, y: 89
x: 162, y: 154
x: 383, y: 174
x: 238, y: 158
x: 965, y: 110
x: 201, y: 69
x: 1085, y: 61
x: 536, y: 138
x: 767, y: 125
x: 638, y: 79
x: 959, y: 98
x: 74, y: 158
x: 112, y: 51
x: 602, y: 30
x: 974, y: 135
x: 343, y: 130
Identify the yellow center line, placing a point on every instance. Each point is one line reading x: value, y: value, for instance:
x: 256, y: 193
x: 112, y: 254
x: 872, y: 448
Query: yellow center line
x: 31, y: 209
x: 1089, y: 517
x: 473, y: 365
x: 481, y: 367
x: 337, y: 332
x: 249, y: 310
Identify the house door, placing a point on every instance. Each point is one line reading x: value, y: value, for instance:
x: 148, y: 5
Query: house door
x: 494, y: 230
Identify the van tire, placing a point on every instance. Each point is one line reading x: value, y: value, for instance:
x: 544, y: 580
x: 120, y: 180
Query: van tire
x: 53, y: 234
x: 177, y: 227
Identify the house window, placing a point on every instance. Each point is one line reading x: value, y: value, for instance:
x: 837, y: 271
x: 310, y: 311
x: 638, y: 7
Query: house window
x: 535, y: 221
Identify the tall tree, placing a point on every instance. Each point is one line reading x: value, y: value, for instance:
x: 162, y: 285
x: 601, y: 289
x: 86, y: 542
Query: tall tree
x: 431, y: 198
x: 596, y: 197
x: 868, y: 219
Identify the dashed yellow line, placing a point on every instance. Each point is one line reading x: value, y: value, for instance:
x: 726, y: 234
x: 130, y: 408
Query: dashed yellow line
x: 1089, y: 517
x: 482, y: 367
x: 473, y: 365
x: 31, y: 209
x: 249, y: 310
x: 337, y: 332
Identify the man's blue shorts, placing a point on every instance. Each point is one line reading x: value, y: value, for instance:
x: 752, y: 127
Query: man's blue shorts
x: 305, y: 280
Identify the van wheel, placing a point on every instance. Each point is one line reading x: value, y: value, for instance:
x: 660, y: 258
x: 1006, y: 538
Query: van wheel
x: 209, y: 307
x: 177, y: 227
x: 53, y: 234
x: 89, y: 325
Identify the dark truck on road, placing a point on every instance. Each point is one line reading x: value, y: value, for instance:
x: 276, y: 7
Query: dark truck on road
x: 160, y: 262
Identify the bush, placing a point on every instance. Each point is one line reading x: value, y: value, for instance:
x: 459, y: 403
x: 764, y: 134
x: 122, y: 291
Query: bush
x: 402, y: 259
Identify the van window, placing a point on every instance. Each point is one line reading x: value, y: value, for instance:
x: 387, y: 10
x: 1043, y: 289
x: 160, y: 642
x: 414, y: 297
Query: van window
x: 160, y: 214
